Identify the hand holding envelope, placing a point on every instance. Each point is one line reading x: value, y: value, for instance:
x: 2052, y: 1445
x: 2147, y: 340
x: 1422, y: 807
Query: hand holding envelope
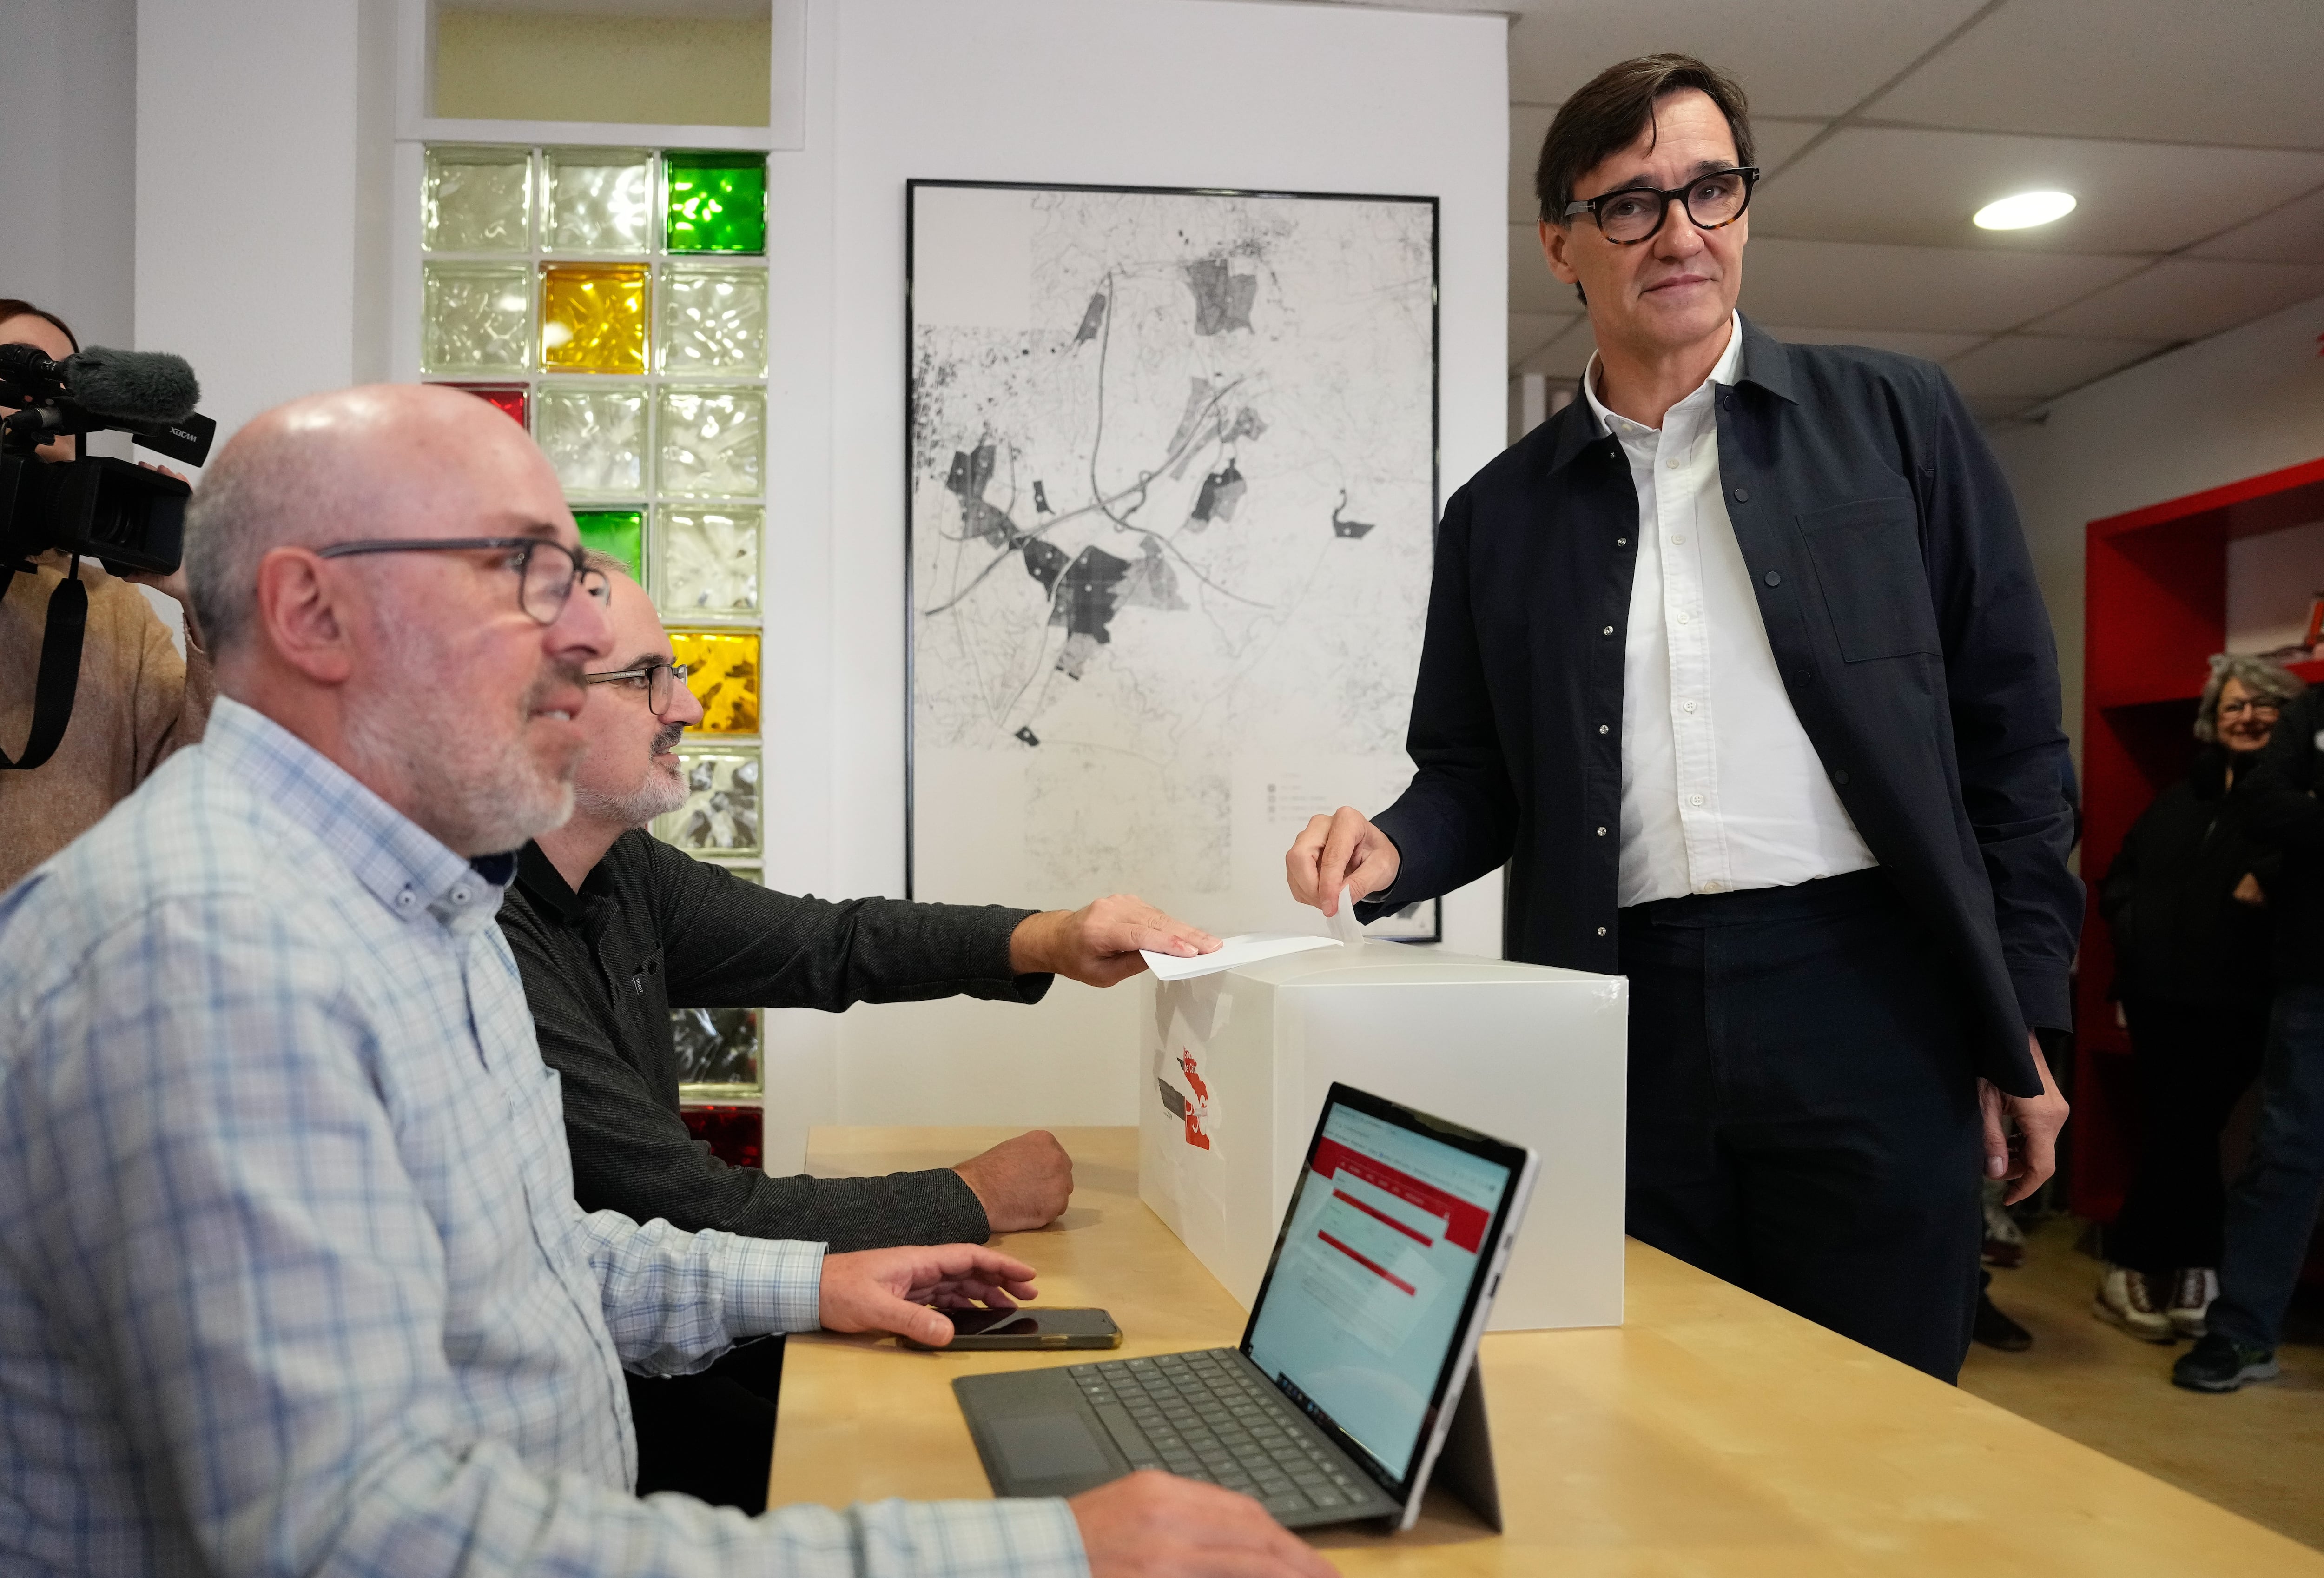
x: 1253, y: 947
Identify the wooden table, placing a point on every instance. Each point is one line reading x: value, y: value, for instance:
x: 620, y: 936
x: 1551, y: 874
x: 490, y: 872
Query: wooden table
x: 1711, y: 1434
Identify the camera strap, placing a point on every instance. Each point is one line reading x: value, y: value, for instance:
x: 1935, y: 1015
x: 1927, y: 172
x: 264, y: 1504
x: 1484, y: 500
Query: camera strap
x: 52, y: 693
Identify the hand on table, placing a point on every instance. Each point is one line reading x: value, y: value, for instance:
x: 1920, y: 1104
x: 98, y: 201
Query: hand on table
x: 1342, y: 850
x: 1098, y: 944
x: 2039, y: 1119
x: 1022, y: 1183
x: 890, y: 1290
x: 1153, y: 1525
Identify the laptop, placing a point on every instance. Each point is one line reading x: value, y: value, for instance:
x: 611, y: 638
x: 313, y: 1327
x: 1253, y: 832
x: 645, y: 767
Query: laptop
x: 1355, y: 1379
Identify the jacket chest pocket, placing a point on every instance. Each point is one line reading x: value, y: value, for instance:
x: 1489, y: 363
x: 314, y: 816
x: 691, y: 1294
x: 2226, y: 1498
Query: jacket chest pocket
x: 1876, y: 591
x: 642, y: 990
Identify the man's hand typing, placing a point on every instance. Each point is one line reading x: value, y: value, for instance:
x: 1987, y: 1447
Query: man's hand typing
x: 891, y: 1290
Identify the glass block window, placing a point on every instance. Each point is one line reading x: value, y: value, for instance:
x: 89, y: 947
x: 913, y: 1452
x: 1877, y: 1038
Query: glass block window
x: 614, y: 301
x: 619, y: 533
x: 723, y: 671
x: 720, y: 814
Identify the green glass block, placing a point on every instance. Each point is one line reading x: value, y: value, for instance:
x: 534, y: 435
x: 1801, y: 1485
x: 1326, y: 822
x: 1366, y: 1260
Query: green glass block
x: 713, y: 320
x: 595, y: 434
x: 597, y: 199
x: 709, y: 560
x: 476, y: 318
x: 477, y: 199
x: 714, y: 201
x: 620, y: 532
x: 713, y: 441
x: 720, y: 813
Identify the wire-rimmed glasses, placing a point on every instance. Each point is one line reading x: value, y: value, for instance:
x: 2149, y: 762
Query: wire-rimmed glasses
x: 1629, y: 214
x: 545, y: 582
x: 659, y: 681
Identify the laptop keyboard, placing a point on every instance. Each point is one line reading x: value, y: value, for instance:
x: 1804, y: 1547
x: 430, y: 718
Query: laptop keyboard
x: 1209, y: 1416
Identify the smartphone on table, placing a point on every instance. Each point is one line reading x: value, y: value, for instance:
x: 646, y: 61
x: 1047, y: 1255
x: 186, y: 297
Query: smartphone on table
x: 977, y: 1329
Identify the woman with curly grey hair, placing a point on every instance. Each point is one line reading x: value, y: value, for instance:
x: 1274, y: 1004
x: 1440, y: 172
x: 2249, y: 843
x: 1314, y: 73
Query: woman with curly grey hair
x: 2187, y: 899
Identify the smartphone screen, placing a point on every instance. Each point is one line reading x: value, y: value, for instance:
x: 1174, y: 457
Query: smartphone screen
x: 1029, y: 1322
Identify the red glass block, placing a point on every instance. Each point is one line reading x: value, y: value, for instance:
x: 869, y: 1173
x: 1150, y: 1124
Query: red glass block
x: 735, y: 1135
x: 508, y: 398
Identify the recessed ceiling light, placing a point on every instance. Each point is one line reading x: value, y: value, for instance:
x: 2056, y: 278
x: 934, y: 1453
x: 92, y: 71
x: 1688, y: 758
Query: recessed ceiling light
x: 2023, y: 210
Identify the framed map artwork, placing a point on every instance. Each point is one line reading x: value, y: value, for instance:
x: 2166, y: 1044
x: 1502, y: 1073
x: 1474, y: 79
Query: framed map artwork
x: 1172, y: 480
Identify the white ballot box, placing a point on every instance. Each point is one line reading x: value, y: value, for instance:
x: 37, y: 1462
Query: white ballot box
x: 1237, y: 1065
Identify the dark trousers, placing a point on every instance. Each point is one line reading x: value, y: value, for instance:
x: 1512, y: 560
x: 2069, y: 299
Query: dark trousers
x: 2193, y: 1063
x: 711, y: 1435
x: 2272, y: 1207
x: 1804, y: 1117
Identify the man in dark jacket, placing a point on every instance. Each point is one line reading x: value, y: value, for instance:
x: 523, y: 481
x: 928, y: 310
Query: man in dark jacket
x: 612, y: 929
x: 1738, y: 665
x: 2272, y: 1207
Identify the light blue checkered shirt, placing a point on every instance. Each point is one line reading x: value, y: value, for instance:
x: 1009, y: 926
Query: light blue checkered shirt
x: 292, y: 1277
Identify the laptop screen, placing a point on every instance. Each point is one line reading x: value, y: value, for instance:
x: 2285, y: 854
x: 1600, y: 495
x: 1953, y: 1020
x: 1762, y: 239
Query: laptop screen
x: 1376, y: 1272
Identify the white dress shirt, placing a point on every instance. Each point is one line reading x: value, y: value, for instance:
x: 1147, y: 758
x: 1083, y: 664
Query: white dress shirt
x: 292, y: 1276
x: 1720, y: 787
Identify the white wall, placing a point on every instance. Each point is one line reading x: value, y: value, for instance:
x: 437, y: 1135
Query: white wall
x: 247, y: 182
x: 68, y: 184
x: 2246, y: 402
x: 1191, y: 93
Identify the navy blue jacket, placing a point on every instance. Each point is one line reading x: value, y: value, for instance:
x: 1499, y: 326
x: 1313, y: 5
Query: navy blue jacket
x: 1900, y: 602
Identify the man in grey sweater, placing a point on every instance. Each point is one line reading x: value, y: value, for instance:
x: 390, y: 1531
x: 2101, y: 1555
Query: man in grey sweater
x: 612, y: 928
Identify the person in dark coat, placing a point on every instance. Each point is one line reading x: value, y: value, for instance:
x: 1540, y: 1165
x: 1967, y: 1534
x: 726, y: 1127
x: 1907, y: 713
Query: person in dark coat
x: 1738, y: 665
x: 2273, y: 1205
x: 2186, y: 897
x: 612, y: 929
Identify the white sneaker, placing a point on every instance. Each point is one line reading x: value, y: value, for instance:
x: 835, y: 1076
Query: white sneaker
x: 2191, y: 1292
x: 2125, y: 1299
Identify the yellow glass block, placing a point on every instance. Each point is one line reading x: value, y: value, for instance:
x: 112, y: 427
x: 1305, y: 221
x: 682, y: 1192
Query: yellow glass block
x: 593, y: 318
x: 724, y: 674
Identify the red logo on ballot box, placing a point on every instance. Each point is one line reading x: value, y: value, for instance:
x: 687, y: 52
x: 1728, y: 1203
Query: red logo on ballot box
x: 1200, y: 1107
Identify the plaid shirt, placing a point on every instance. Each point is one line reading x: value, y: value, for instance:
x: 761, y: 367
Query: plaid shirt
x: 292, y: 1276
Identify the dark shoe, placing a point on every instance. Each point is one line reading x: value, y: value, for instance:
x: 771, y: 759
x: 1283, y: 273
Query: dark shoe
x: 1996, y: 1330
x: 2218, y: 1364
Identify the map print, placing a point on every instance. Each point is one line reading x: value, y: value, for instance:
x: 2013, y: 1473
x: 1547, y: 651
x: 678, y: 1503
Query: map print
x: 1172, y: 505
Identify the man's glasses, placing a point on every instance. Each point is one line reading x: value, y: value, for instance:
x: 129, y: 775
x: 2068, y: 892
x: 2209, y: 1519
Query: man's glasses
x: 545, y: 581
x: 658, y: 680
x: 1634, y: 214
x: 2257, y: 705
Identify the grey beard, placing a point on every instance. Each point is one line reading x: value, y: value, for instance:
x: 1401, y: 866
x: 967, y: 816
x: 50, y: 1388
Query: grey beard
x: 476, y: 795
x: 657, y: 794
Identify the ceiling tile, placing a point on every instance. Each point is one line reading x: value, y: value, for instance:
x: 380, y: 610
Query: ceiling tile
x: 1931, y: 347
x: 1920, y: 187
x: 1529, y: 123
x: 2185, y: 298
x: 1852, y: 285
x: 2165, y: 69
x: 1564, y: 357
x: 1531, y: 331
x: 1531, y: 287
x: 2292, y: 234
x: 1793, y: 57
x: 2037, y: 366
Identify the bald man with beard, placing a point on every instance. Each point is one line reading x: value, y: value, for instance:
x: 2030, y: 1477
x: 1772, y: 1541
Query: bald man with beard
x: 292, y: 1278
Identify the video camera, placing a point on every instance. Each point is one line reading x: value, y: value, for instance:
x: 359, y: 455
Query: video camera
x: 125, y: 517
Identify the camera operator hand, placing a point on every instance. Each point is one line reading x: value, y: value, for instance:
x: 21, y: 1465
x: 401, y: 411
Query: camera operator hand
x: 174, y: 584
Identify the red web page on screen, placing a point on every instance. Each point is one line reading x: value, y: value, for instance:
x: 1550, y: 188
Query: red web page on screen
x: 1385, y: 1238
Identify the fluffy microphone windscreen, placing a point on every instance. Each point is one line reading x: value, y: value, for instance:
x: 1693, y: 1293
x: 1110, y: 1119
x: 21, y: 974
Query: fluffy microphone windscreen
x: 144, y: 386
